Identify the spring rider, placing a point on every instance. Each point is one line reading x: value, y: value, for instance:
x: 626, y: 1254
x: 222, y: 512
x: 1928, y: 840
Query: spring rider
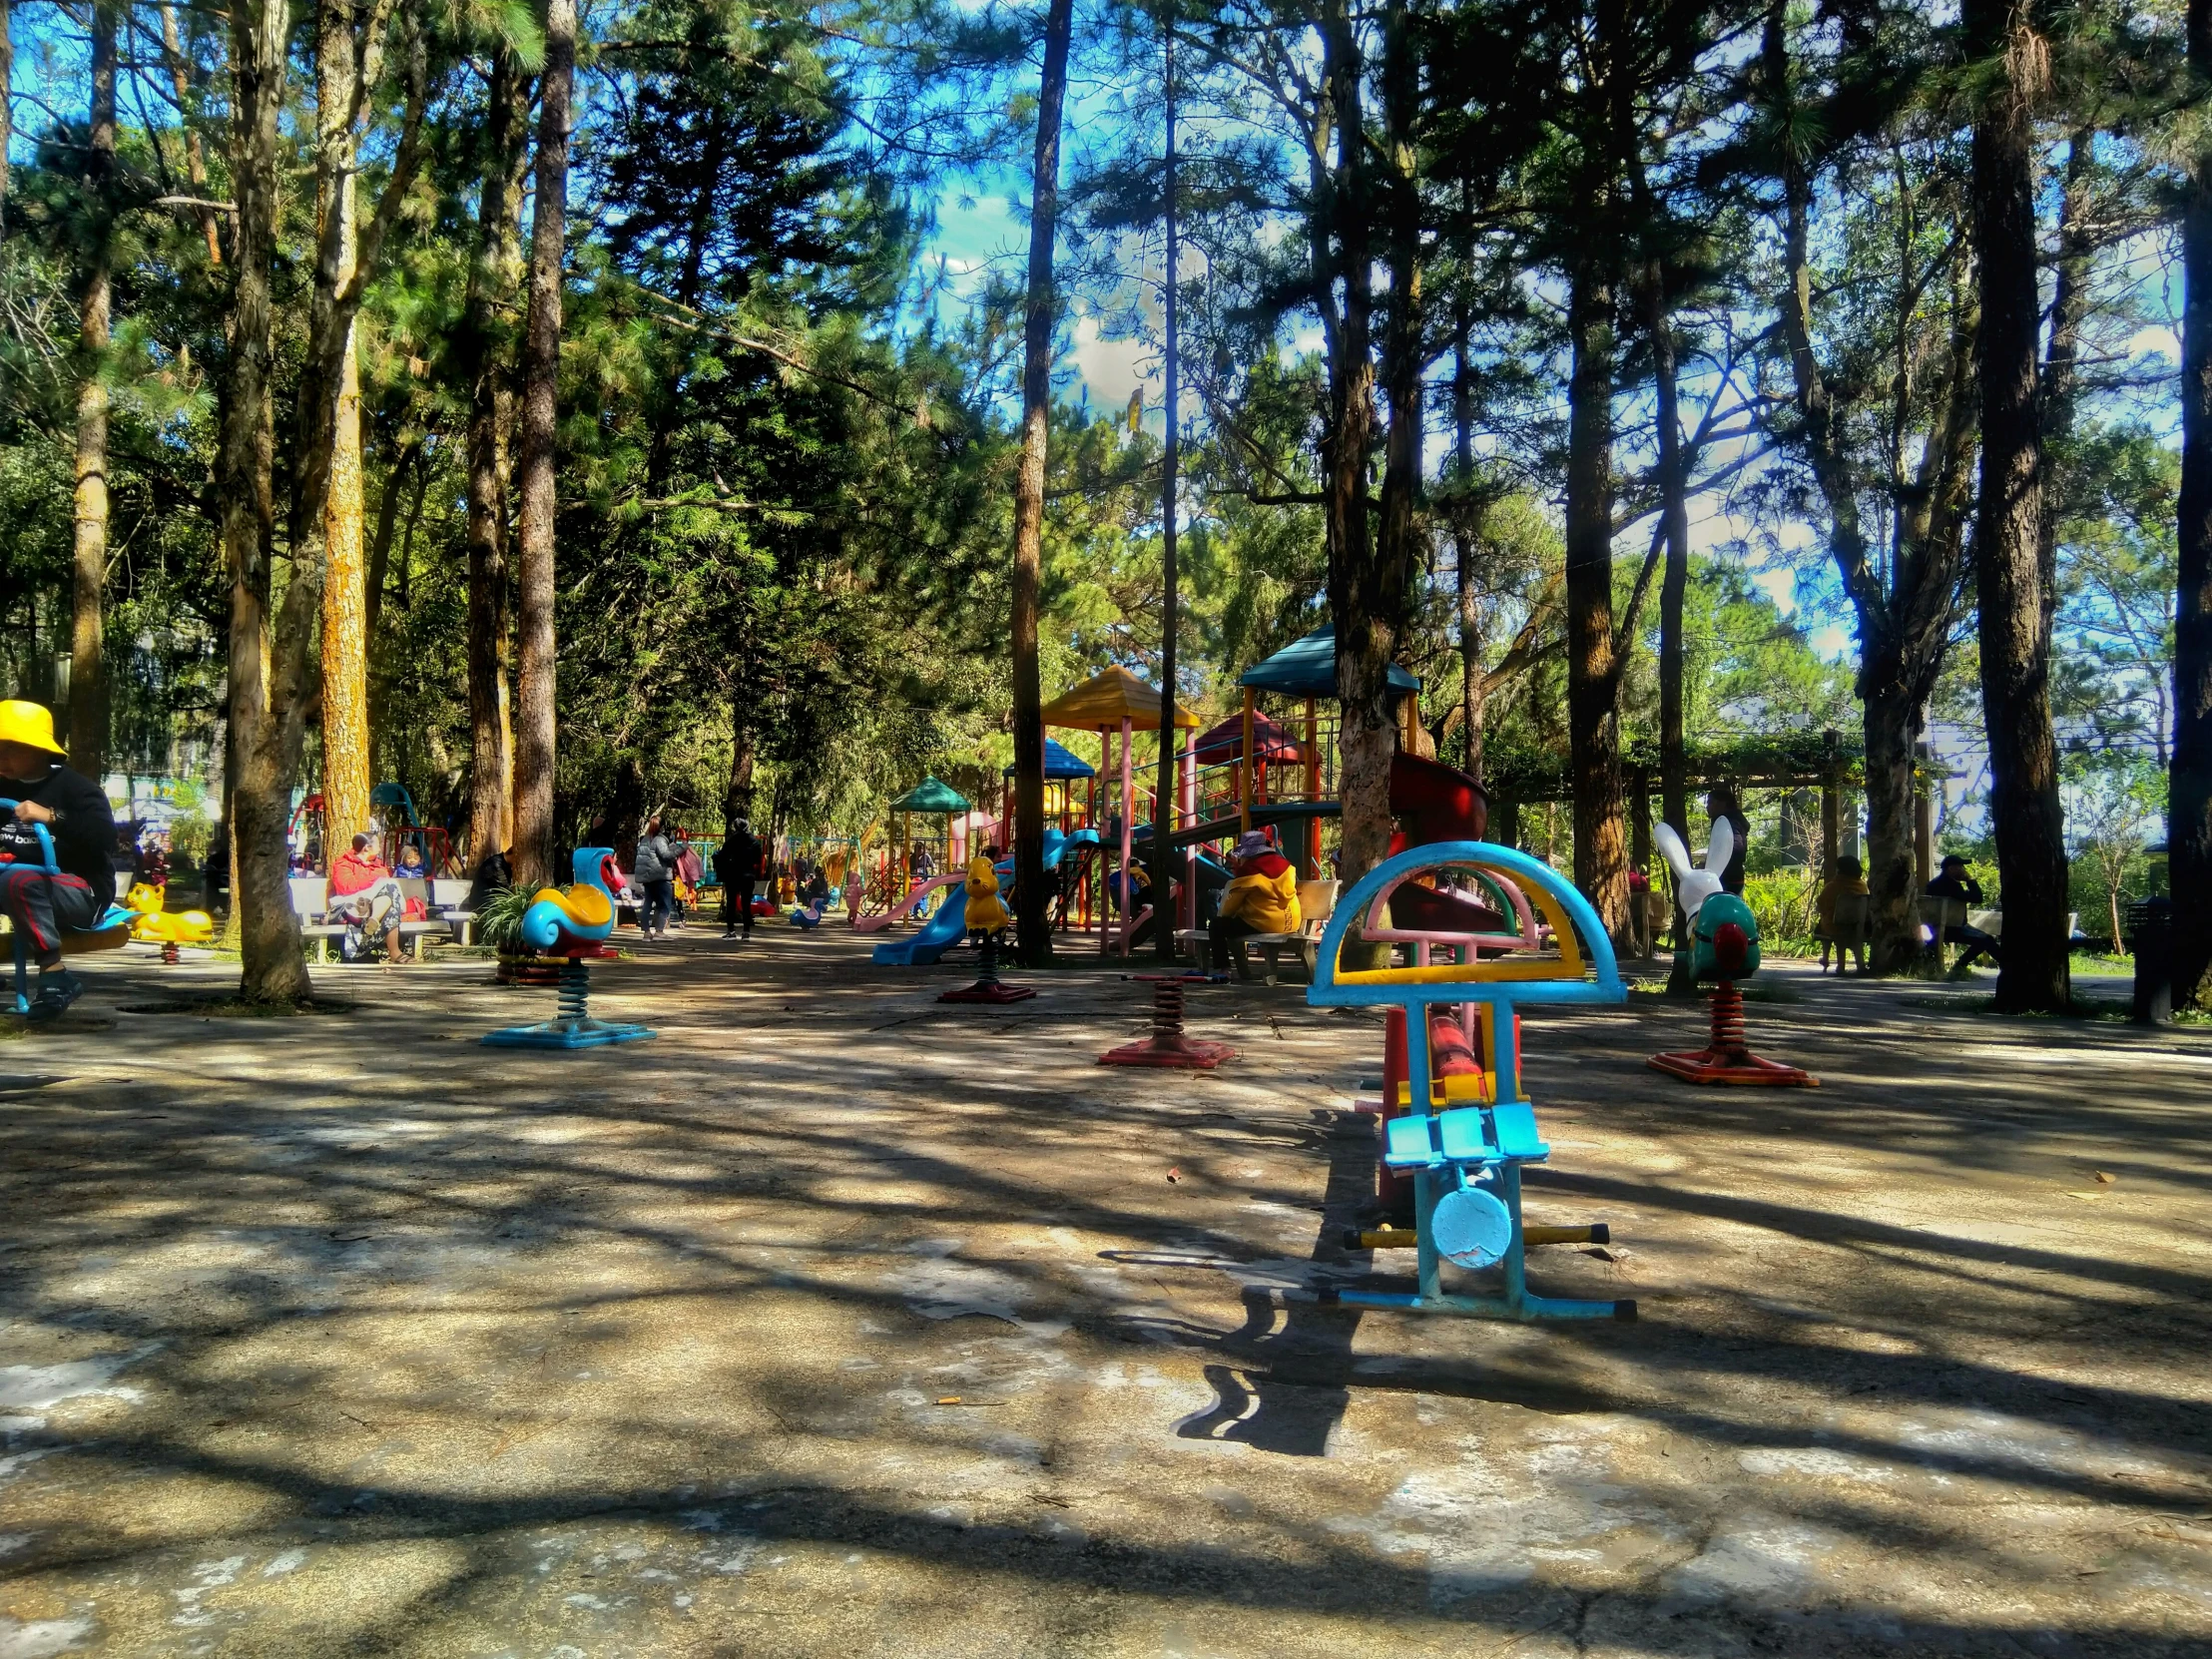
x: 1466, y: 1135
x: 572, y: 922
x: 109, y: 933
x: 1724, y: 947
x: 151, y: 924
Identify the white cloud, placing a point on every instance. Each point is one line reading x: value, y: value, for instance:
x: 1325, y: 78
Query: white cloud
x: 1111, y: 368
x: 1779, y: 586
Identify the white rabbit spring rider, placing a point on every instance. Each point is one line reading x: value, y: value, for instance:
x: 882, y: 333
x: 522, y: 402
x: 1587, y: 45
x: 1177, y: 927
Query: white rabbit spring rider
x: 1724, y: 946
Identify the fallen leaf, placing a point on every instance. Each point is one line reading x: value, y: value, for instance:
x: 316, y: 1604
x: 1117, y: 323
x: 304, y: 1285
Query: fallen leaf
x: 2104, y: 1180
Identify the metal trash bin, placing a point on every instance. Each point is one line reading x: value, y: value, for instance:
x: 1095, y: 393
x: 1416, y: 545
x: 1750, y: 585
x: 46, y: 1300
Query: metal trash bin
x: 2151, y: 927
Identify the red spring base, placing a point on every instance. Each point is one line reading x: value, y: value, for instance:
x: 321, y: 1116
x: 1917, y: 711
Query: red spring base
x: 989, y: 991
x: 1725, y: 1059
x: 172, y: 954
x: 1167, y: 1046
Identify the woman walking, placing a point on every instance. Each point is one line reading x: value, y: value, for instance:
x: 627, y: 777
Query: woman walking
x: 655, y: 871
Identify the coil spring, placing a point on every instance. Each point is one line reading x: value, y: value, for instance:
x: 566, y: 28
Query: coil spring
x: 575, y: 997
x: 1728, y: 1018
x: 1167, y: 1008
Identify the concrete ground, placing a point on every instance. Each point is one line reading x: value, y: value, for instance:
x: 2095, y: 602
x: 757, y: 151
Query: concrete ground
x: 839, y: 1322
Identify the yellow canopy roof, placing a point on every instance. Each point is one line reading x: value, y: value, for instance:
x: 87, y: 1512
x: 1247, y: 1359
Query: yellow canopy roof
x: 1108, y: 700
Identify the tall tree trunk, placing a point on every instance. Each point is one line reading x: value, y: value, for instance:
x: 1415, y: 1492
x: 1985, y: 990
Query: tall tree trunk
x: 345, y: 737
x: 541, y: 375
x: 1465, y: 537
x: 1359, y: 597
x: 1030, y: 897
x: 327, y: 506
x: 1674, y: 584
x: 1397, y: 551
x: 1165, y: 792
x: 266, y: 685
x: 7, y: 103
x: 485, y: 345
x: 2189, y: 773
x: 737, y: 800
x: 2014, y: 597
x: 88, y: 671
x: 1902, y: 627
x: 195, y: 159
x: 1593, y: 726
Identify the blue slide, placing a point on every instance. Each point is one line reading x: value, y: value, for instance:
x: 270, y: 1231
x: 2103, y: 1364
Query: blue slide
x: 949, y: 925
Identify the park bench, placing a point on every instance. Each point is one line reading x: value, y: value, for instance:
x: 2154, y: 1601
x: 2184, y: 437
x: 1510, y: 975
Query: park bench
x: 1316, y: 900
x: 447, y: 898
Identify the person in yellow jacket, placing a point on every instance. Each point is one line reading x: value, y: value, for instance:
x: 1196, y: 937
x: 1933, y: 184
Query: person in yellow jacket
x: 987, y: 912
x: 1261, y: 898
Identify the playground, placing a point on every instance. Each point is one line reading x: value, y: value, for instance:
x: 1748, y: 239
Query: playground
x: 836, y: 1321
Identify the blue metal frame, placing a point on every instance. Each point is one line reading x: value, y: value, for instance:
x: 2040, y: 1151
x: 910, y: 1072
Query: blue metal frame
x: 1480, y: 1146
x: 115, y: 915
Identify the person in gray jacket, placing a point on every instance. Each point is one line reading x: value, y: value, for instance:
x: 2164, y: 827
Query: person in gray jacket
x: 654, y: 872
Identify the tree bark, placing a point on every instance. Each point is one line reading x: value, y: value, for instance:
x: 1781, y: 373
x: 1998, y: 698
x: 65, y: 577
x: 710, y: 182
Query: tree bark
x: 2013, y: 596
x: 88, y: 672
x: 1165, y: 793
x: 1674, y: 584
x: 1358, y: 596
x: 195, y: 160
x: 1030, y: 896
x: 541, y: 373
x: 737, y: 800
x: 345, y: 737
x: 1903, y: 626
x: 1397, y: 551
x: 7, y: 103
x: 267, y: 686
x: 2189, y: 771
x: 1465, y: 537
x: 1594, y: 728
x: 485, y: 345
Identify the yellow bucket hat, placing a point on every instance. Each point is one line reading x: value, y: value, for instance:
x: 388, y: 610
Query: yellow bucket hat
x: 28, y: 723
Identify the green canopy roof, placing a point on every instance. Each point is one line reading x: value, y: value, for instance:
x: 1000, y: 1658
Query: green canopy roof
x: 1307, y: 668
x: 930, y: 796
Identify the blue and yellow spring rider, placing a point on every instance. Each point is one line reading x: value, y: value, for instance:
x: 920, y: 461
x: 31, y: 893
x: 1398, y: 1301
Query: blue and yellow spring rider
x: 109, y: 933
x: 1463, y: 1137
x: 575, y: 923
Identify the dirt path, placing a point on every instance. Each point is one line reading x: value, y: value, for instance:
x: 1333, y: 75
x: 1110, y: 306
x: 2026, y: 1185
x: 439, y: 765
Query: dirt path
x: 837, y: 1321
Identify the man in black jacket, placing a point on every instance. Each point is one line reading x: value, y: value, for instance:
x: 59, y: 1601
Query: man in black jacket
x: 1951, y: 882
x: 42, y: 902
x: 737, y: 868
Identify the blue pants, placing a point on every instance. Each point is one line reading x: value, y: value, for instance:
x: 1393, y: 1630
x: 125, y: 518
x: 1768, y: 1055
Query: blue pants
x: 43, y: 905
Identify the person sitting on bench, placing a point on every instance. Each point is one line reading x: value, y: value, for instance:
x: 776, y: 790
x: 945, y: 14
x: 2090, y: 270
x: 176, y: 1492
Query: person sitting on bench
x: 1954, y: 883
x: 1261, y: 899
x: 77, y: 815
x: 367, y: 898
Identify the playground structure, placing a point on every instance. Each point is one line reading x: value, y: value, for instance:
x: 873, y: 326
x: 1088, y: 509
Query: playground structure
x: 572, y: 922
x: 1461, y: 1127
x: 947, y: 927
x: 1724, y: 945
x: 111, y: 932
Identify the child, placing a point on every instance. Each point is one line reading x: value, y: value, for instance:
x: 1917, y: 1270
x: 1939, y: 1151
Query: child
x: 1261, y: 899
x: 1848, y: 877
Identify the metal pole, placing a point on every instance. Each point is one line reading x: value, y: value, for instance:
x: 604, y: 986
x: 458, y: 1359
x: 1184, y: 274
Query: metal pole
x: 1163, y: 816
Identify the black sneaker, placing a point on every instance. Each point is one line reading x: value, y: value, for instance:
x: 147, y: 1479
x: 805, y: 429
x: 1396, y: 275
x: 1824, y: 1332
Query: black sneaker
x: 56, y: 991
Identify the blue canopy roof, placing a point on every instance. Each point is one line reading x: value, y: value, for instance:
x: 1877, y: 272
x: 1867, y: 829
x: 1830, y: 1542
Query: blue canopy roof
x: 1061, y: 764
x: 1307, y: 668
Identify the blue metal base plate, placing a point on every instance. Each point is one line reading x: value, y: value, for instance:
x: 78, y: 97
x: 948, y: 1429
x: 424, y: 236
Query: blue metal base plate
x: 568, y: 1033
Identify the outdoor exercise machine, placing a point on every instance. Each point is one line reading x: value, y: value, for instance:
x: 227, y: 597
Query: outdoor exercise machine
x: 575, y: 923
x: 1464, y: 1137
